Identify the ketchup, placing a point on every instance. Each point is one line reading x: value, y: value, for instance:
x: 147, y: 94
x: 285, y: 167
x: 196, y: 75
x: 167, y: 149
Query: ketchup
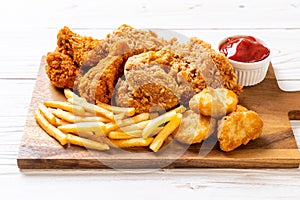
x: 244, y: 49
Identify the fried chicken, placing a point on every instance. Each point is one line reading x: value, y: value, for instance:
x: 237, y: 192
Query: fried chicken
x: 150, y: 82
x: 124, y: 42
x: 239, y: 128
x: 214, y: 102
x: 63, y: 64
x: 97, y: 85
x: 136, y: 41
x: 61, y: 69
x: 75, y: 45
x: 195, y: 128
x: 206, y: 67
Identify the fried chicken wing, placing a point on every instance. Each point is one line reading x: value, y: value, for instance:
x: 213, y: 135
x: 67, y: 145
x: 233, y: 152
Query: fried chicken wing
x: 239, y: 128
x: 195, y: 128
x: 214, y: 102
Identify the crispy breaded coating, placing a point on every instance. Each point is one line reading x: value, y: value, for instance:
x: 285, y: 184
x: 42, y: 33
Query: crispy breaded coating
x: 97, y: 85
x: 63, y: 64
x: 150, y: 82
x: 195, y: 128
x: 75, y: 45
x: 206, y: 66
x: 61, y: 69
x: 135, y: 41
x: 239, y: 128
x: 214, y: 102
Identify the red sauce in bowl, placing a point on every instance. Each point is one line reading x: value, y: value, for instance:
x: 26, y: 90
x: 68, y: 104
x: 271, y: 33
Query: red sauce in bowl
x: 244, y: 49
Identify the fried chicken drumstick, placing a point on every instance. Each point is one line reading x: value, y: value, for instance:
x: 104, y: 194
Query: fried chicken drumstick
x: 63, y: 64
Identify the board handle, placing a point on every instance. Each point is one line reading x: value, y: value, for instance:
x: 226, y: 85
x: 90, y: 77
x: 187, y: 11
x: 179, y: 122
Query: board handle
x: 294, y: 115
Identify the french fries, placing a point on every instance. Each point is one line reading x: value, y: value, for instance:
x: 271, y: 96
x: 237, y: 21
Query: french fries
x: 155, y: 123
x: 97, y: 127
x: 83, y: 127
x: 78, y: 110
x: 133, y: 120
x: 137, y: 126
x: 69, y: 93
x: 124, y: 135
x: 93, y: 108
x: 133, y: 142
x: 114, y: 109
x: 70, y: 117
x: 47, y: 114
x: 50, y: 129
x: 165, y: 132
x: 90, y: 144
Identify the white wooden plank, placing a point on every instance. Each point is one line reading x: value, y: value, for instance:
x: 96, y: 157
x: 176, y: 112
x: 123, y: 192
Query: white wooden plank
x: 206, y: 183
x: 163, y: 14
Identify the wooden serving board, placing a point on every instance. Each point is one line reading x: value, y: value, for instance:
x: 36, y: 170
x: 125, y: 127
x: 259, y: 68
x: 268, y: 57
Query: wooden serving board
x: 276, y: 148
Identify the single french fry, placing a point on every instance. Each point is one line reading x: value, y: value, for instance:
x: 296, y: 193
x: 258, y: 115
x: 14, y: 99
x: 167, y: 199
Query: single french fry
x: 133, y: 142
x: 95, y: 136
x: 70, y: 117
x: 116, y: 109
x: 66, y: 116
x: 133, y: 120
x: 133, y: 127
x: 83, y: 127
x: 69, y: 93
x: 77, y: 101
x: 157, y: 122
x: 165, y: 132
x: 47, y: 114
x: 60, y: 122
x: 124, y: 135
x: 50, y: 129
x: 92, y: 108
x: 119, y: 116
x: 90, y: 144
x: 78, y: 110
x: 110, y: 127
x: 156, y: 131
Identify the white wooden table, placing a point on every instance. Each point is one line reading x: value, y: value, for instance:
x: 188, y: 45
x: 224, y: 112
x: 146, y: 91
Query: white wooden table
x: 28, y: 31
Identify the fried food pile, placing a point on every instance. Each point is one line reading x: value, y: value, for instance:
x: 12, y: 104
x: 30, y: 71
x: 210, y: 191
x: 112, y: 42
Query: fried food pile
x: 137, y: 69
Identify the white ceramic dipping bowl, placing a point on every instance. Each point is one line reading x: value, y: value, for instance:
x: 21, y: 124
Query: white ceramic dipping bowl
x: 250, y: 73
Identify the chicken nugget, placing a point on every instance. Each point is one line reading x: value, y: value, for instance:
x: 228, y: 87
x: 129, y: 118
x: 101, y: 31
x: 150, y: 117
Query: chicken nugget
x: 214, y: 102
x: 239, y: 128
x: 195, y: 128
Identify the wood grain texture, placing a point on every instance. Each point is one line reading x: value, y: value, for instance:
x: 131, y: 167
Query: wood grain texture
x: 276, y: 148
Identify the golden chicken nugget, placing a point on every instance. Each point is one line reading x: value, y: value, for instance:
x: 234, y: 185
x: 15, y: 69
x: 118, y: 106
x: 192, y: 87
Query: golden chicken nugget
x: 239, y: 128
x: 214, y: 102
x: 194, y: 128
